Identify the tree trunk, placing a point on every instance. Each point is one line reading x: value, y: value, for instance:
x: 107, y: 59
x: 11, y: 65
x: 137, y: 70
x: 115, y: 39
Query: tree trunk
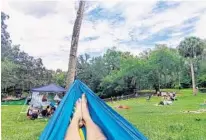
x: 193, y: 77
x: 157, y: 89
x: 74, y: 44
x: 165, y: 81
x: 159, y: 82
x: 179, y: 80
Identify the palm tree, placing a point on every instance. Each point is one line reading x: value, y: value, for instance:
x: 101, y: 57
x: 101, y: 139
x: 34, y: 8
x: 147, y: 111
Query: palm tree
x: 191, y: 48
x: 74, y: 44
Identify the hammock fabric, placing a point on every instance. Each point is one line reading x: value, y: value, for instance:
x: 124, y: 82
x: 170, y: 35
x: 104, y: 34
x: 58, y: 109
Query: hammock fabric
x: 114, y: 126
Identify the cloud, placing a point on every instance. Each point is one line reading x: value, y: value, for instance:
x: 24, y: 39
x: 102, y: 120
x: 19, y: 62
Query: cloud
x: 200, y: 29
x: 44, y: 33
x: 44, y: 28
x: 35, y: 8
x: 175, y: 16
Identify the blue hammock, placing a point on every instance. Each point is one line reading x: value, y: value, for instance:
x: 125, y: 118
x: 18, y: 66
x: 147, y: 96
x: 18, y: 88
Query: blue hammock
x: 114, y: 126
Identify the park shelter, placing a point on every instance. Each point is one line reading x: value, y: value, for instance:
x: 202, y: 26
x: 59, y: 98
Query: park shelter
x: 47, y: 90
x: 35, y: 99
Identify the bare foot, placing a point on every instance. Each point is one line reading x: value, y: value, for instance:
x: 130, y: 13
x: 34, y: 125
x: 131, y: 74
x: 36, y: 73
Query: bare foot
x: 77, y: 114
x: 85, y: 111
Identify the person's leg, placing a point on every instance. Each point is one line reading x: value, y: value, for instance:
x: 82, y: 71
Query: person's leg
x: 92, y: 130
x: 73, y: 129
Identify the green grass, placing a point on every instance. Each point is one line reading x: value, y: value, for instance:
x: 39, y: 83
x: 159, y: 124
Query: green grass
x: 156, y: 122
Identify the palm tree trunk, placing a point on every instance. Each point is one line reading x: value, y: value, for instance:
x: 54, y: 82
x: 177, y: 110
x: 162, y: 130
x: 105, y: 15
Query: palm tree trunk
x: 74, y: 44
x: 159, y: 82
x: 179, y: 80
x: 193, y: 77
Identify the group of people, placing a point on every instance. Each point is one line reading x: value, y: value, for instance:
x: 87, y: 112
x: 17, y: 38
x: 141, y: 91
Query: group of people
x: 168, y: 98
x: 34, y: 113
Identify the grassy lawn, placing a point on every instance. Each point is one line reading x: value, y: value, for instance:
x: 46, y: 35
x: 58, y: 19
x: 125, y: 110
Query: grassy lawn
x: 156, y: 122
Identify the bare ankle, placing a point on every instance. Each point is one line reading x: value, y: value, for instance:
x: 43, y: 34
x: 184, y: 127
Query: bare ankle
x: 88, y: 121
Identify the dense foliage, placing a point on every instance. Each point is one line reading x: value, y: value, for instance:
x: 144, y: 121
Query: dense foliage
x: 114, y: 73
x: 18, y: 69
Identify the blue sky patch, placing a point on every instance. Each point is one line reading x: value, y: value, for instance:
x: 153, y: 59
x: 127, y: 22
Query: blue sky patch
x: 100, y: 13
x: 90, y: 38
x: 161, y: 6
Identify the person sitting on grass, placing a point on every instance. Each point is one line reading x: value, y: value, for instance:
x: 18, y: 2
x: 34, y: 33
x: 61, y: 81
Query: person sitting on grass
x: 167, y: 101
x: 51, y: 111
x: 45, y: 112
x: 32, y: 113
x: 29, y: 113
x: 93, y: 132
x: 172, y: 96
x: 35, y: 114
x: 149, y: 97
x: 44, y: 98
x: 48, y: 112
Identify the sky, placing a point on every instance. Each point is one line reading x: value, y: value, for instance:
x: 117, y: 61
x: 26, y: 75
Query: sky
x: 44, y: 28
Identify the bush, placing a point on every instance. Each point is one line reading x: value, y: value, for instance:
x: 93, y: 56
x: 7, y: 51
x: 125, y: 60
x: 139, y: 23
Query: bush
x: 203, y: 90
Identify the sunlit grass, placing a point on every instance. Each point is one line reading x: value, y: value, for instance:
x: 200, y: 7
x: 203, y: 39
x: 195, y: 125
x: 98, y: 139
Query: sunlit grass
x: 156, y: 122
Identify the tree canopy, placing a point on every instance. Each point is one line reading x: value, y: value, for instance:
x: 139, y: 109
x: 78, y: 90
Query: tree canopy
x: 192, y: 48
x: 20, y: 70
x: 113, y: 73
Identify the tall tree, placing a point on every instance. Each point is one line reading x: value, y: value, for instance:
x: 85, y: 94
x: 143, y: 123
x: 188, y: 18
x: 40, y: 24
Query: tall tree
x: 8, y: 77
x: 165, y: 63
x: 19, y: 70
x: 191, y: 48
x: 5, y: 37
x: 74, y: 44
x: 112, y: 58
